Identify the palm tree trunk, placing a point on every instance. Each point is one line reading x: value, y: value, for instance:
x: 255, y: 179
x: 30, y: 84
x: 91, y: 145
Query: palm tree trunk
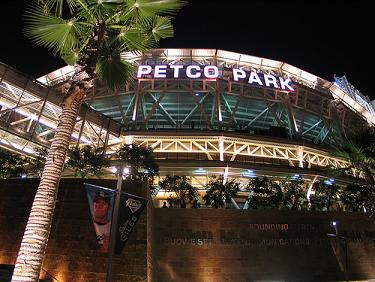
x: 34, y: 241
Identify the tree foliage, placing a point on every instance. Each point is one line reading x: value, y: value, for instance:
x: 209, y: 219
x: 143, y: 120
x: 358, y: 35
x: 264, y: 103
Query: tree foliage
x: 264, y: 193
x: 139, y: 160
x: 359, y: 198
x: 218, y: 193
x: 87, y: 161
x: 93, y: 34
x: 179, y: 185
x: 325, y: 197
x: 11, y: 164
x: 38, y: 162
x: 359, y: 150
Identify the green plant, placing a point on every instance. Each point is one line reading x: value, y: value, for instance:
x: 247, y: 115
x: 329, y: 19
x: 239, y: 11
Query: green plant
x: 37, y: 163
x: 325, y: 196
x: 179, y: 185
x: 295, y: 194
x: 359, y: 198
x: 87, y: 161
x: 264, y: 193
x: 219, y: 192
x: 11, y: 165
x: 139, y: 161
x: 359, y: 150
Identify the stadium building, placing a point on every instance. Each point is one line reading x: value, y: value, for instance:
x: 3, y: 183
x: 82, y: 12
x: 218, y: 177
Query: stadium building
x: 207, y: 112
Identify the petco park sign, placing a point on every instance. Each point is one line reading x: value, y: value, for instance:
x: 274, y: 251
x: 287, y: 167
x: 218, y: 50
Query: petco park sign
x: 212, y: 72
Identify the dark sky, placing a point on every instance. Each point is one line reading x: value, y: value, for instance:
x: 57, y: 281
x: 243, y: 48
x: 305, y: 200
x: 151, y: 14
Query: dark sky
x: 324, y: 38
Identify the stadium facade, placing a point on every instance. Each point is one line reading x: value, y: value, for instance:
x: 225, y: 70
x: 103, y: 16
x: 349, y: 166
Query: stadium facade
x: 204, y: 112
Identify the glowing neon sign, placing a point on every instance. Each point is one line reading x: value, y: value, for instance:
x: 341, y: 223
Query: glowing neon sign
x: 212, y: 72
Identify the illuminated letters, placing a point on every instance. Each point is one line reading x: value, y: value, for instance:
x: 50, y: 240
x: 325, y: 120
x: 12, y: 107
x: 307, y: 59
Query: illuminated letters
x: 237, y: 74
x: 189, y: 74
x: 213, y: 69
x: 160, y: 71
x: 142, y: 70
x: 254, y: 77
x: 212, y: 72
x: 176, y: 70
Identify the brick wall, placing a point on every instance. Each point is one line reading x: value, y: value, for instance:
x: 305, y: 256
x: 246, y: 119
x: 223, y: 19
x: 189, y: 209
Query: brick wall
x: 71, y: 252
x: 191, y: 244
x: 234, y: 245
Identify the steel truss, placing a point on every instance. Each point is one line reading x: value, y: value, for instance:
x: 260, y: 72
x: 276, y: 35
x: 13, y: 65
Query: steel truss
x: 29, y: 112
x: 235, y: 149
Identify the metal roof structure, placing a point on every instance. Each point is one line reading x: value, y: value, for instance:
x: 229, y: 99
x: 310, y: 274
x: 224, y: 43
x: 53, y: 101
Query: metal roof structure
x: 197, y: 120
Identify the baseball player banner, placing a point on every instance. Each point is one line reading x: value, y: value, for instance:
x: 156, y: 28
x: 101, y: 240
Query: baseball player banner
x: 130, y: 210
x: 101, y: 202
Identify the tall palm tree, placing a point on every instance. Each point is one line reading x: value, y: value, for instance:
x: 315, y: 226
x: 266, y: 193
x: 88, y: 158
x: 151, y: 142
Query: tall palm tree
x: 91, y: 35
x: 359, y: 150
x: 139, y: 161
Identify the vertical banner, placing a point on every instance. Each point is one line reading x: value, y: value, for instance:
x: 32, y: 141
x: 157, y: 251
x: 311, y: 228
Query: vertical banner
x: 101, y: 202
x: 130, y: 210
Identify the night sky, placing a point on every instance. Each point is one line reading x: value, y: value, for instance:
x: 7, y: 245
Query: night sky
x: 323, y: 38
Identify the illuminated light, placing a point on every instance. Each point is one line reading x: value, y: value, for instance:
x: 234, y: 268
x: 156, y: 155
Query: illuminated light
x: 23, y: 175
x: 126, y: 171
x: 200, y: 171
x: 334, y: 223
x: 248, y: 173
x: 114, y: 169
x: 327, y: 182
x: 197, y: 94
x: 332, y: 179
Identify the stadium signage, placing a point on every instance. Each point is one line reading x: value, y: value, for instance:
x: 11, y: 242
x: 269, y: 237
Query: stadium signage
x: 212, y: 72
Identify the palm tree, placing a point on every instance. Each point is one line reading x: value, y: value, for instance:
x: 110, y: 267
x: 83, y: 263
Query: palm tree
x: 219, y: 191
x: 295, y: 194
x: 139, y: 161
x: 91, y: 35
x: 179, y: 185
x: 359, y: 198
x: 87, y: 161
x: 325, y: 196
x: 359, y: 150
x: 264, y: 193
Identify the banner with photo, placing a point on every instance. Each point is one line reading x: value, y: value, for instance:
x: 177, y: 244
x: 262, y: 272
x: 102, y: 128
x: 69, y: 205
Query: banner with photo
x: 101, y: 202
x: 130, y: 210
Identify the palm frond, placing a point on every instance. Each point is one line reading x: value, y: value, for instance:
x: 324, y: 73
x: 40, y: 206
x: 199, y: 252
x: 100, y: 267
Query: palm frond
x: 143, y: 11
x: 132, y: 39
x: 162, y: 28
x: 113, y: 70
x: 57, y: 34
x: 57, y: 6
x: 103, y: 9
